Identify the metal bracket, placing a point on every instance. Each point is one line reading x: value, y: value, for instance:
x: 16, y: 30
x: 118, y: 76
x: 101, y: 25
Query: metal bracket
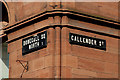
x: 24, y: 66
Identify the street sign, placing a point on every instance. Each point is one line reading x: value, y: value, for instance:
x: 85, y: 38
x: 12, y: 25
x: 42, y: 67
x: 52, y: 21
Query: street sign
x: 34, y: 43
x: 87, y: 41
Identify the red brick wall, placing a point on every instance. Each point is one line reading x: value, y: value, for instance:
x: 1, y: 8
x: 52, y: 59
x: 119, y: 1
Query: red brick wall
x: 107, y: 10
x: 40, y: 62
x: 65, y: 59
x: 22, y: 10
x: 79, y: 61
x: 83, y: 62
x: 60, y: 58
x: 43, y: 63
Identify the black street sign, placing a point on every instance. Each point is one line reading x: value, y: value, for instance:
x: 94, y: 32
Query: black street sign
x: 34, y: 43
x: 87, y: 41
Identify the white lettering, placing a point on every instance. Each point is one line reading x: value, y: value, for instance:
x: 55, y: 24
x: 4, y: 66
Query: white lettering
x: 77, y: 39
x: 87, y: 40
x: 95, y: 42
x: 31, y: 40
x: 34, y: 45
x: 80, y: 39
x: 72, y: 37
x: 23, y: 43
x: 100, y: 43
x: 42, y: 36
x: 92, y: 42
x: 83, y: 40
